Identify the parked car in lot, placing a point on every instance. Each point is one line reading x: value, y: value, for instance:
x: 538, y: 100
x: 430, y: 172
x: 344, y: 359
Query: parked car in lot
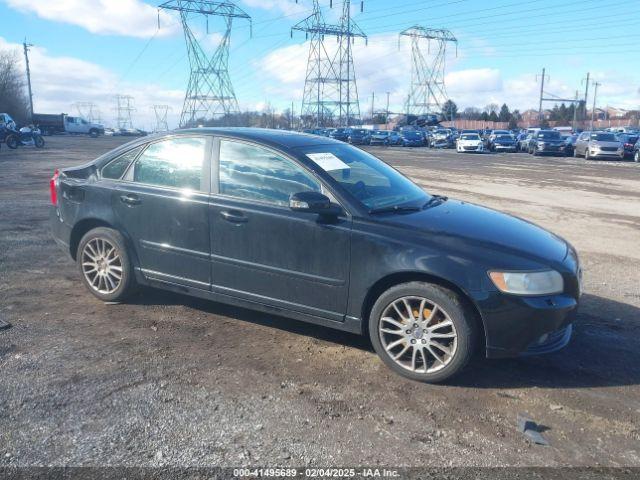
x: 358, y: 136
x: 394, y: 138
x: 411, y: 138
x: 470, y: 142
x: 628, y: 143
x: 358, y: 246
x: 503, y: 143
x: 522, y: 142
x: 569, y: 145
x: 595, y: 145
x: 339, y: 134
x: 442, y: 139
x: 495, y: 134
x: 379, y: 137
x: 545, y: 142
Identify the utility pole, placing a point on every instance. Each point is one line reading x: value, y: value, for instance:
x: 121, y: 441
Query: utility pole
x: 26, y: 46
x: 575, y: 112
x: 586, y: 94
x: 595, y: 97
x: 373, y: 100
x: 161, y: 112
x: 386, y: 118
x: 540, y: 112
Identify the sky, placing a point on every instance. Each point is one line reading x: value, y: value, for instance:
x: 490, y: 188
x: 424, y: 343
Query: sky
x: 91, y: 51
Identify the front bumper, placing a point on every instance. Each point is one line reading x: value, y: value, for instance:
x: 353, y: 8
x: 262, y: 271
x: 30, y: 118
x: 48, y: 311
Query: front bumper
x: 550, y: 149
x: 605, y: 154
x: 504, y: 148
x: 470, y: 148
x: 516, y: 326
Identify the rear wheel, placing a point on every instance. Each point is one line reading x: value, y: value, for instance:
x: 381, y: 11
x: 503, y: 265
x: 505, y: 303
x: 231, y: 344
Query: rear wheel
x: 422, y: 331
x: 636, y: 156
x: 105, y: 265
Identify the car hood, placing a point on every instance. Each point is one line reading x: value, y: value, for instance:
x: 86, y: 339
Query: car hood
x: 486, y: 227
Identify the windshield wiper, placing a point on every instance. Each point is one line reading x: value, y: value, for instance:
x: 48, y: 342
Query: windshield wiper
x: 435, y: 200
x: 395, y: 208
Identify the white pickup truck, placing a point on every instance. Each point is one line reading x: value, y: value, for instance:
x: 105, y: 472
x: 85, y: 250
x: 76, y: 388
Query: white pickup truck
x: 62, y: 123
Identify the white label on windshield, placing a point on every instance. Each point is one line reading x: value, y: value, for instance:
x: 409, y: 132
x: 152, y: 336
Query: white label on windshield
x: 328, y: 161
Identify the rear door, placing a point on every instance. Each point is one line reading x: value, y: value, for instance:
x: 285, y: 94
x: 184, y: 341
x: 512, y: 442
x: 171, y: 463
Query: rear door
x: 263, y: 251
x: 163, y: 207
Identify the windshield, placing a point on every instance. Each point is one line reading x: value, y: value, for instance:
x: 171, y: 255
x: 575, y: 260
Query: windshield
x: 549, y: 135
x: 470, y: 136
x: 504, y: 137
x: 381, y: 132
x: 411, y: 134
x: 373, y: 183
x: 603, y: 137
x: 358, y: 132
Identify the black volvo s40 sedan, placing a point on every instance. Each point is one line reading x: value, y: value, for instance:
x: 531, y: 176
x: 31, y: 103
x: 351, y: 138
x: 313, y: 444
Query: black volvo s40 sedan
x: 320, y: 231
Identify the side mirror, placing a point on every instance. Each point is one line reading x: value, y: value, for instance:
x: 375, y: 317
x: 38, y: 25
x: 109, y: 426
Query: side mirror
x: 311, y: 202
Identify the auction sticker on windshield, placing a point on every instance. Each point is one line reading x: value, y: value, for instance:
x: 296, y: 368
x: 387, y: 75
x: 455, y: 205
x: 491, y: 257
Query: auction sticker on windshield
x: 328, y: 161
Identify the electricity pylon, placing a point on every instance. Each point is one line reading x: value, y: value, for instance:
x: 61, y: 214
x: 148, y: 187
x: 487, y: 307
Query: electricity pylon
x: 210, y: 92
x: 161, y: 112
x: 124, y: 107
x: 427, y: 91
x: 330, y: 89
x: 88, y: 111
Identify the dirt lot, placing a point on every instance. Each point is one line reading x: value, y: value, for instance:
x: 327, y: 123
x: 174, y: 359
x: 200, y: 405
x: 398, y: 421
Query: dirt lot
x: 170, y: 380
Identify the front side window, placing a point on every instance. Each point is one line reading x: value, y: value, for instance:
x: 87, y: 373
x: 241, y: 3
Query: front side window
x: 176, y: 162
x: 255, y: 173
x: 368, y: 179
x: 116, y: 168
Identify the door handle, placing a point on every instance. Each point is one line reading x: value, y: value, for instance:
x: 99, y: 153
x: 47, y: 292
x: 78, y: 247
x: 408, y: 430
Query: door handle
x: 130, y: 199
x: 233, y: 216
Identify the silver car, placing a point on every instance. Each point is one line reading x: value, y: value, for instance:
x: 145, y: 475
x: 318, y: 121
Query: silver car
x: 593, y: 145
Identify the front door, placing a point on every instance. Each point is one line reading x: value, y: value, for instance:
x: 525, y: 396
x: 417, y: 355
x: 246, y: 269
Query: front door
x: 163, y: 207
x: 264, y: 252
x: 582, y: 143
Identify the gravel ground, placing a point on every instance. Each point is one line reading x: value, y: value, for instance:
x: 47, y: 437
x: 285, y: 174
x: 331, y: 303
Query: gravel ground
x: 174, y: 381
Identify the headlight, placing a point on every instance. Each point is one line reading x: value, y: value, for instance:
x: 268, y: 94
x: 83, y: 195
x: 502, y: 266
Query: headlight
x: 528, y: 283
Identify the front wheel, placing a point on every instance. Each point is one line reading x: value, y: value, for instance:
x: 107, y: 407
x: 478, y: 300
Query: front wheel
x: 422, y: 331
x: 636, y: 156
x: 38, y: 141
x: 105, y: 265
x: 12, y: 141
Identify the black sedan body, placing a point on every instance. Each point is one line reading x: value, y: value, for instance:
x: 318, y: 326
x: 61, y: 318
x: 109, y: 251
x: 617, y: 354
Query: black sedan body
x: 358, y: 136
x: 629, y: 142
x: 320, y: 231
x: 546, y: 142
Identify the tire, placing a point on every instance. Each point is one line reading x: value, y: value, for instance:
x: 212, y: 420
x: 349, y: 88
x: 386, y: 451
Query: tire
x: 38, y: 141
x: 12, y: 141
x: 91, y: 242
x: 93, y: 133
x: 586, y: 154
x: 575, y: 153
x: 449, y: 307
x: 636, y: 156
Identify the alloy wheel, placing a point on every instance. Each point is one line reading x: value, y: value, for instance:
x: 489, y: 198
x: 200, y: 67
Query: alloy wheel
x: 102, y: 265
x: 418, y: 334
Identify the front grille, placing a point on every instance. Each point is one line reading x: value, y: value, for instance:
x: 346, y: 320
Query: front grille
x: 470, y: 148
x: 609, y: 149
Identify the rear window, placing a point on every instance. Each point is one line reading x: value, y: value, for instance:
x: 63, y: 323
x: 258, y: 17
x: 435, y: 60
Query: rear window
x: 549, y: 135
x: 603, y: 137
x: 116, y: 168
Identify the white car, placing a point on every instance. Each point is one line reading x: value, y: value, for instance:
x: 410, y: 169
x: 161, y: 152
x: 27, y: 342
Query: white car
x: 470, y: 142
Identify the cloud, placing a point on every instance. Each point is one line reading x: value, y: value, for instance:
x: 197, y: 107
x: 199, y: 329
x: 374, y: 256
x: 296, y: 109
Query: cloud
x: 60, y: 82
x: 132, y: 18
x: 288, y: 7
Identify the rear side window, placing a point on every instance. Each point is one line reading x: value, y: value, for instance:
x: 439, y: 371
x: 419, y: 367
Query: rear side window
x: 176, y: 162
x: 255, y: 173
x: 116, y: 168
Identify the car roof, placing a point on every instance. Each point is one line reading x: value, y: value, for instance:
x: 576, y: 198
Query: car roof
x: 276, y: 138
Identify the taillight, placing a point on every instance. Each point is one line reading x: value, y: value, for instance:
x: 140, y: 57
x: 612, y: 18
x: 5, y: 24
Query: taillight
x: 53, y: 187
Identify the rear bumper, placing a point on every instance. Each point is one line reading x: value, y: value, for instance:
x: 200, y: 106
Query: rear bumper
x: 516, y: 326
